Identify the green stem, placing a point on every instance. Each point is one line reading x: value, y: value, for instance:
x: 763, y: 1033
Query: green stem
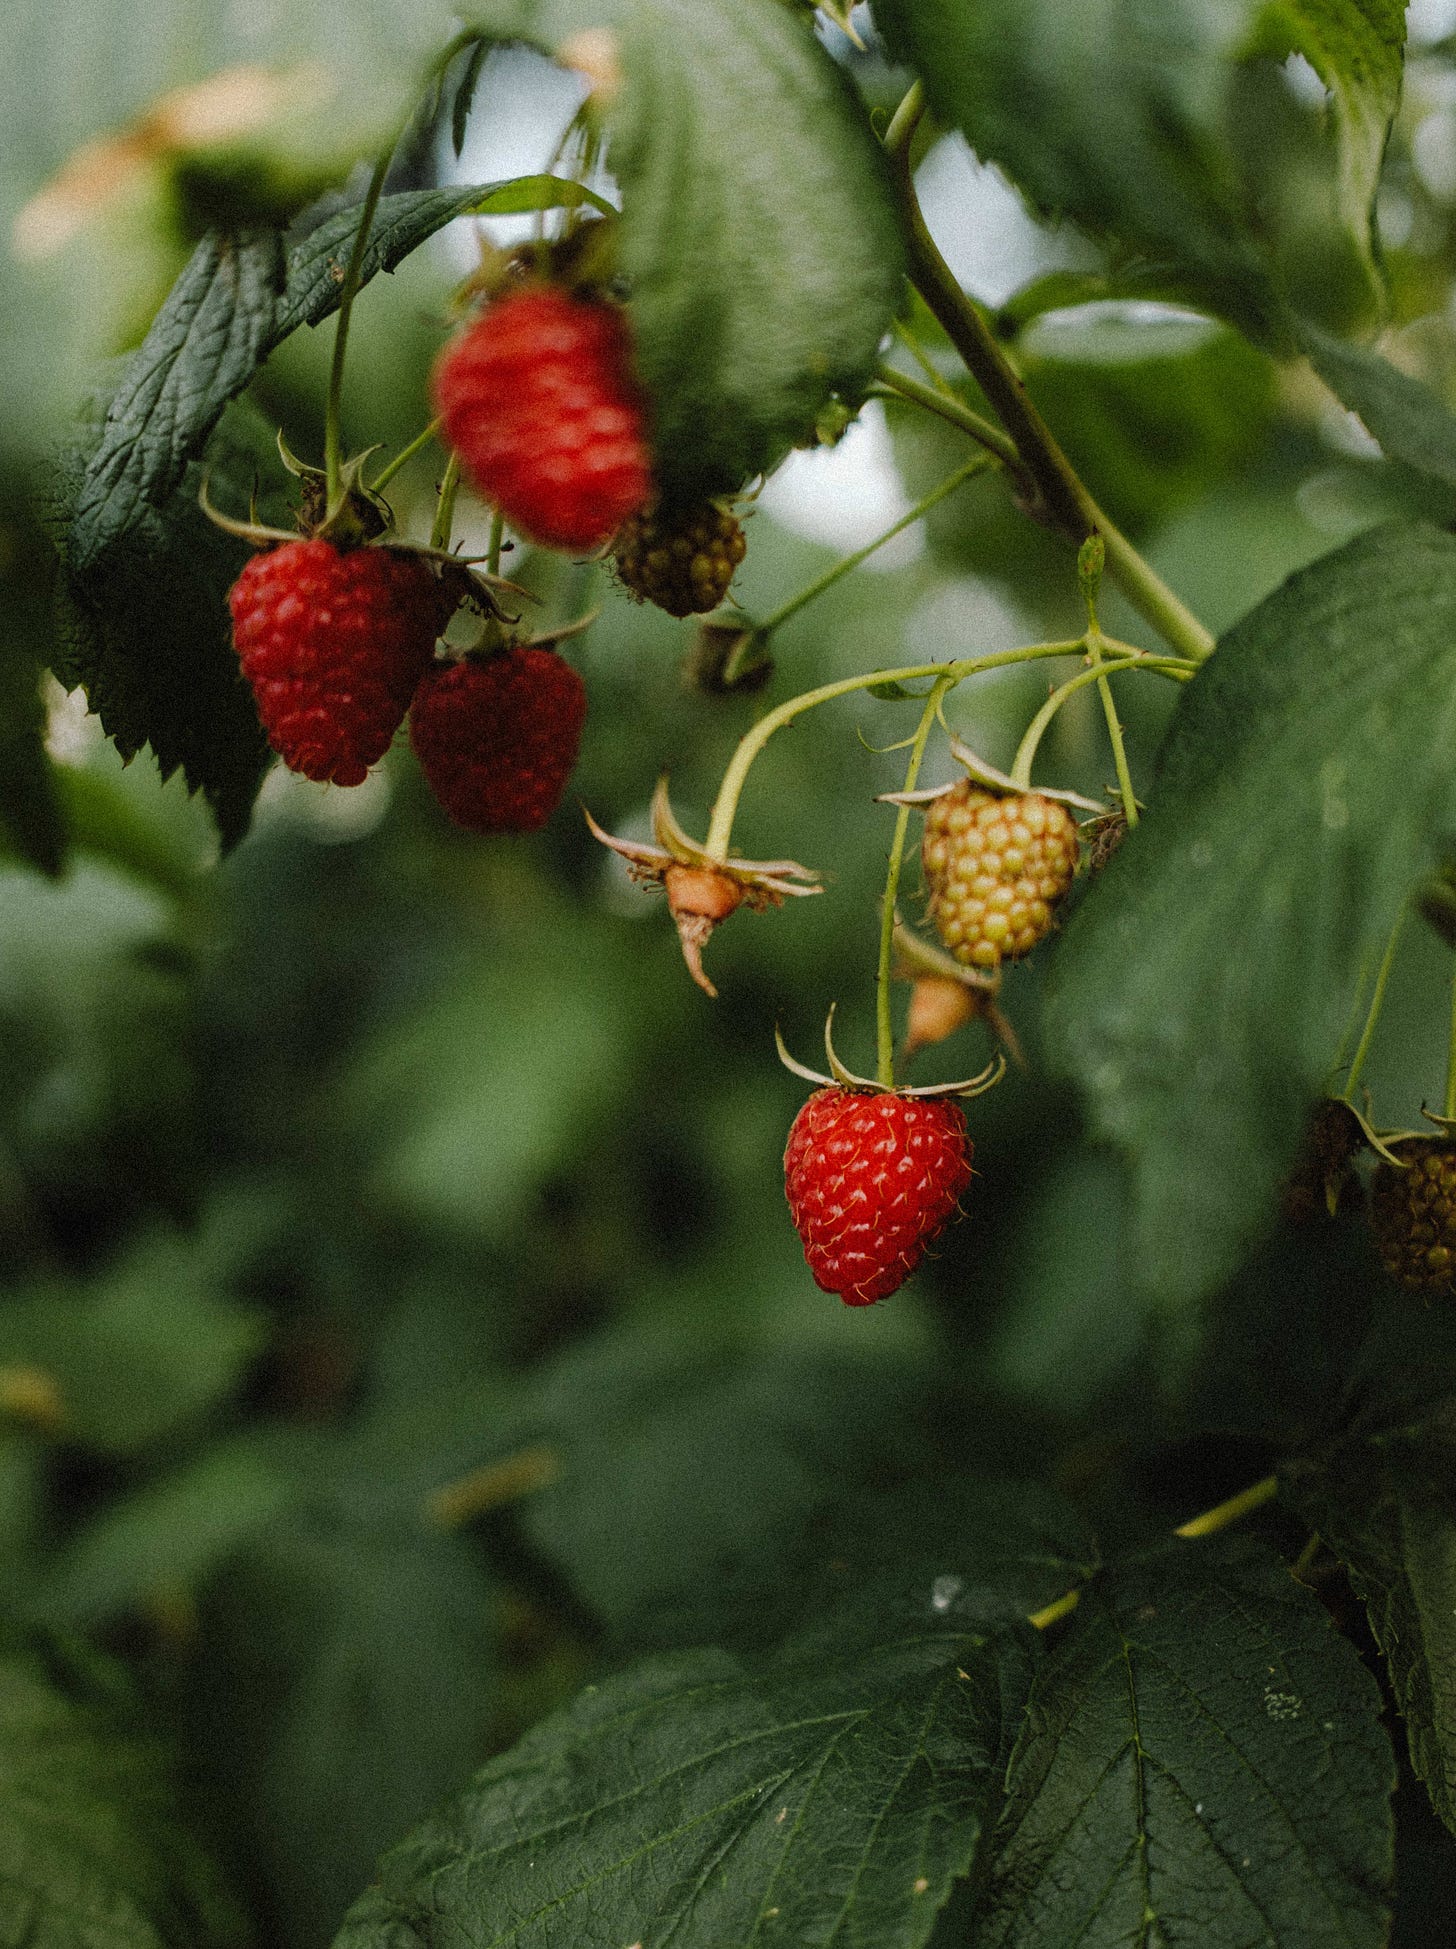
x: 1450, y: 1109
x: 842, y: 567
x: 1224, y: 1513
x: 1372, y: 1016
x: 405, y: 456
x: 333, y: 456
x: 903, y: 124
x: 1114, y: 726
x: 949, y: 407
x: 1026, y: 751
x: 445, y: 506
x: 725, y: 806
x: 1065, y: 500
x: 922, y: 358
x: 493, y: 546
x: 884, y: 1035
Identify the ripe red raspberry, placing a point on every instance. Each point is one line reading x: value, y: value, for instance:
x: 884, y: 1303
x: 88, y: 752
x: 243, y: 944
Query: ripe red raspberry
x: 995, y: 867
x: 538, y: 401
x: 333, y: 642
x: 496, y: 739
x: 680, y: 559
x: 871, y: 1179
x: 1413, y: 1214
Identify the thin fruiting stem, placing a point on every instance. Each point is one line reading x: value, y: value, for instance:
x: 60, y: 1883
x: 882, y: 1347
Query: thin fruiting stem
x: 1114, y: 726
x: 922, y: 358
x: 725, y: 806
x: 1173, y: 667
x: 884, y: 1036
x: 1207, y: 1523
x: 846, y: 563
x: 1372, y: 1015
x: 445, y: 506
x: 493, y: 546
x: 406, y: 455
x: 333, y: 452
x: 1065, y: 500
x: 1231, y: 1511
x: 949, y: 406
x: 1450, y: 1108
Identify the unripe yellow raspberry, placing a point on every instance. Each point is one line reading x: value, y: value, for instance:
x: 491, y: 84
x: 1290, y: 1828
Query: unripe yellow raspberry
x: 995, y: 868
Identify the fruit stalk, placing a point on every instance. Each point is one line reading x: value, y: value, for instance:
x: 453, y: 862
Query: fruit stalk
x: 884, y: 1035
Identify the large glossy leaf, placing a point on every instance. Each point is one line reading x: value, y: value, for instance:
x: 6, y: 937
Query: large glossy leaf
x: 1199, y: 993
x: 758, y: 235
x: 1124, y: 116
x: 94, y: 1844
x: 1111, y: 112
x: 1407, y: 418
x: 1202, y: 1761
x: 828, y: 1798
x: 1384, y: 1503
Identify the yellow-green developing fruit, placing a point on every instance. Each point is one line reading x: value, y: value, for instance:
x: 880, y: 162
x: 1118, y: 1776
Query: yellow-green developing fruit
x: 995, y: 868
x: 680, y: 559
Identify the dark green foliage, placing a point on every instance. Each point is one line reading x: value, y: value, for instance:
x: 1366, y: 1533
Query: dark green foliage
x: 1304, y: 790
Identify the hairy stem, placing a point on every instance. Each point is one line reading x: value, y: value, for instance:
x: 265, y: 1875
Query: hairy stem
x: 1114, y: 728
x: 949, y: 407
x: 333, y: 454
x: 843, y: 567
x: 1021, y: 766
x: 493, y: 546
x: 725, y: 806
x: 405, y: 456
x: 1064, y: 501
x: 884, y: 1036
x: 445, y: 506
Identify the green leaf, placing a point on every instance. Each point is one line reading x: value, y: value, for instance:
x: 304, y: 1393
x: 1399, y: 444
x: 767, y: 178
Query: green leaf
x: 1357, y: 47
x: 829, y: 1797
x: 1107, y: 111
x: 138, y: 1353
x: 204, y: 346
x: 235, y: 302
x: 1407, y: 418
x: 1384, y: 1504
x: 147, y: 633
x: 758, y: 235
x: 1202, y: 1761
x: 1150, y: 411
x: 1199, y: 992
x: 94, y: 1842
x: 346, y: 1683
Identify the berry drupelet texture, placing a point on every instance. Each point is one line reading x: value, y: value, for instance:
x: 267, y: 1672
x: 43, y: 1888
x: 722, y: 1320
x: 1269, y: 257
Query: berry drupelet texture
x: 681, y: 560
x: 333, y: 642
x: 871, y: 1179
x: 538, y: 400
x: 995, y: 868
x: 1413, y: 1213
x: 497, y: 737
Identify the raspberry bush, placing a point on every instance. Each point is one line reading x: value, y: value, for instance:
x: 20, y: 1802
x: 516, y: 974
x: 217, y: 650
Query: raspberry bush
x: 704, y: 593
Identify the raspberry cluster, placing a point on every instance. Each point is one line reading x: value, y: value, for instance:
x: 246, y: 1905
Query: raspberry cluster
x: 538, y: 400
x: 871, y: 1178
x: 497, y: 737
x: 680, y: 559
x: 995, y: 867
x: 1413, y: 1213
x: 333, y: 642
